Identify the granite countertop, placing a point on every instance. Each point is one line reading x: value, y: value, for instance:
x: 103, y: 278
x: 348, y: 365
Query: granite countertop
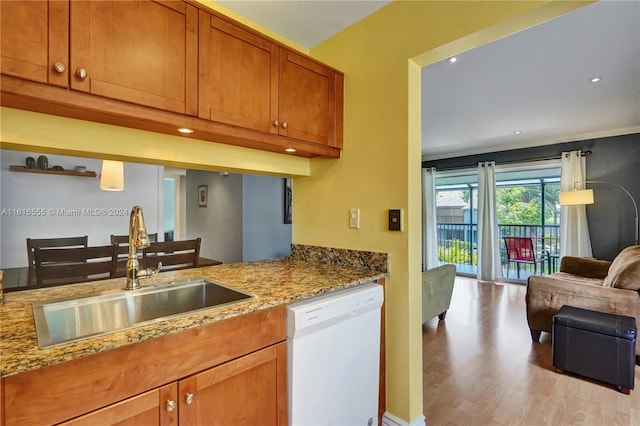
x: 274, y: 282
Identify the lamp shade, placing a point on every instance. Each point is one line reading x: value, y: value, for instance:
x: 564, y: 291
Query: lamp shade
x: 576, y: 197
x: 112, y: 176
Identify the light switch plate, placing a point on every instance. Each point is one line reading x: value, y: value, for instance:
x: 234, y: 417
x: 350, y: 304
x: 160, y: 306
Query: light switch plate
x: 395, y: 220
x: 354, y: 218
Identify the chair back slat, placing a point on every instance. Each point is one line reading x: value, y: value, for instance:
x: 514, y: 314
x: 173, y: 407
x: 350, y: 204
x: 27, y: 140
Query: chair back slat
x: 122, y: 241
x: 173, y: 254
x: 72, y: 265
x: 42, y: 243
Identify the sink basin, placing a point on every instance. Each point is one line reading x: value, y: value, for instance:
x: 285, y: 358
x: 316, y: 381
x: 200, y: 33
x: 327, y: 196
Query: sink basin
x: 70, y: 319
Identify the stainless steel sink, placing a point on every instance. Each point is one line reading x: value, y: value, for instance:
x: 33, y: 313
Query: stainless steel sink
x: 69, y: 319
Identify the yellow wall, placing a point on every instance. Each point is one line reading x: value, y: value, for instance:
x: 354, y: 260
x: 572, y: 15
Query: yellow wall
x: 380, y: 165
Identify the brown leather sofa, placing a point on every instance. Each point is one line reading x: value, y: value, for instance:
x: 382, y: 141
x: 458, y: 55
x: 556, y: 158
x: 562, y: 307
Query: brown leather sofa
x: 586, y: 283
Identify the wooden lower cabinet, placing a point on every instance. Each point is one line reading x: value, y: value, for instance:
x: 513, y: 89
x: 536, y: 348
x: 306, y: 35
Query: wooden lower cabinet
x: 149, y: 408
x: 250, y: 390
x: 234, y: 369
x: 247, y: 391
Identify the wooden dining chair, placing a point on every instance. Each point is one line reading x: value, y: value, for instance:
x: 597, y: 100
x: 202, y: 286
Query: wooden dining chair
x: 72, y: 265
x: 47, y: 243
x: 521, y: 250
x: 122, y: 241
x: 173, y: 254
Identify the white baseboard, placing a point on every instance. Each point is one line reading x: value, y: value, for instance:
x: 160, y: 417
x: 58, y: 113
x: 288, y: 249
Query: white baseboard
x: 389, y: 419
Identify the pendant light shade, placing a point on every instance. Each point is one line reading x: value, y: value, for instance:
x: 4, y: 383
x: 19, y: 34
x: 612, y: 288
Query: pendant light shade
x: 112, y: 176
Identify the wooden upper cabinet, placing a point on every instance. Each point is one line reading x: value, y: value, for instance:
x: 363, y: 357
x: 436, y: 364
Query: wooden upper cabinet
x: 149, y: 57
x: 35, y: 40
x: 238, y: 82
x: 247, y: 81
x: 310, y: 100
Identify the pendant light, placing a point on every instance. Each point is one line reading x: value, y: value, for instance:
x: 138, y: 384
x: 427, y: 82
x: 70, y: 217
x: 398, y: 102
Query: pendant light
x: 112, y: 176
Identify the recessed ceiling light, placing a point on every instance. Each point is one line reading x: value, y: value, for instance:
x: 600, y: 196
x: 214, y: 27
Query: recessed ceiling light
x: 290, y: 150
x: 185, y: 130
x: 595, y: 79
x: 452, y: 60
x: 517, y: 132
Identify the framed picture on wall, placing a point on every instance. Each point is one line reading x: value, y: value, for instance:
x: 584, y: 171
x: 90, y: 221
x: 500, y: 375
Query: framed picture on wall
x: 287, y: 200
x: 203, y: 193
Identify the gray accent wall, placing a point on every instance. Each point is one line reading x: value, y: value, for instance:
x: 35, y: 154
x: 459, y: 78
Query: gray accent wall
x: 243, y: 220
x: 614, y: 159
x: 265, y: 233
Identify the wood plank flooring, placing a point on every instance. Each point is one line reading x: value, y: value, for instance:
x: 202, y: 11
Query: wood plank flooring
x: 481, y: 368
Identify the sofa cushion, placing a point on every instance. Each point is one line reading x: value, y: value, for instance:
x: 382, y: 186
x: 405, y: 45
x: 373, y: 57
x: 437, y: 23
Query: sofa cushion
x: 577, y: 278
x: 625, y: 270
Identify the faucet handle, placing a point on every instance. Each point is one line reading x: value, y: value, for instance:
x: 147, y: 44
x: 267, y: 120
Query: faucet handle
x: 147, y: 273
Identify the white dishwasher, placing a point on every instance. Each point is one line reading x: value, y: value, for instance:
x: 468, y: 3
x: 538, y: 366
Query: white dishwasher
x: 333, y: 358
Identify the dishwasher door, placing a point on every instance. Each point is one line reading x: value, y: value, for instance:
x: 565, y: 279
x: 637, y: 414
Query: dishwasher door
x: 333, y: 358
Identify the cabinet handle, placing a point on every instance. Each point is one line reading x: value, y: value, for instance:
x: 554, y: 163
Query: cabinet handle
x: 58, y: 67
x: 170, y: 405
x: 285, y: 124
x: 276, y: 123
x: 189, y: 398
x: 81, y: 73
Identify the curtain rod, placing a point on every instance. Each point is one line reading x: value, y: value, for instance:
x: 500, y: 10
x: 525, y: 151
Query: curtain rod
x: 551, y: 157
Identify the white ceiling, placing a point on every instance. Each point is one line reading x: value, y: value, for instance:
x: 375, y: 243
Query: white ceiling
x: 535, y: 81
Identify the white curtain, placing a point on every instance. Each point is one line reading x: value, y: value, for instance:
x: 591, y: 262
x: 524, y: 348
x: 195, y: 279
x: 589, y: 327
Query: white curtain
x: 574, y: 230
x: 489, y: 265
x: 429, y: 227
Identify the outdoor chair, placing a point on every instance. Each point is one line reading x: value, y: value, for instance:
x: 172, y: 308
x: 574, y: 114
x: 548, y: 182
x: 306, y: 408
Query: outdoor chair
x: 521, y: 250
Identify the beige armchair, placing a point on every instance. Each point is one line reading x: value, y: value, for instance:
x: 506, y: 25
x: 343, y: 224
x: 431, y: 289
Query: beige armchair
x: 586, y: 283
x: 437, y: 288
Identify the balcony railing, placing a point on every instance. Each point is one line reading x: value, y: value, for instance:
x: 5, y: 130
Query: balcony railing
x: 457, y: 243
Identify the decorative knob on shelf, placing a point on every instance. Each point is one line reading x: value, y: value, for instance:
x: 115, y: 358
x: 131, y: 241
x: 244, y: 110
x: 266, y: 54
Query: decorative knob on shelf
x: 285, y: 124
x: 58, y: 67
x: 171, y: 405
x: 189, y: 398
x: 81, y: 73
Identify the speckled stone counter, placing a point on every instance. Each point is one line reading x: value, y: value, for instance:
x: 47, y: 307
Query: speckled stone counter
x: 273, y: 282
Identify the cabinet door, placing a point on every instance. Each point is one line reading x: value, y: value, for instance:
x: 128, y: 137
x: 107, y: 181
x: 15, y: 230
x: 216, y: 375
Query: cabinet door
x: 144, y: 52
x: 310, y: 102
x: 35, y: 36
x: 250, y: 390
x: 238, y: 81
x: 156, y: 407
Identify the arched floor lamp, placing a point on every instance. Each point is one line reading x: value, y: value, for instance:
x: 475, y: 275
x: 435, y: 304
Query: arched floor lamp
x: 585, y: 196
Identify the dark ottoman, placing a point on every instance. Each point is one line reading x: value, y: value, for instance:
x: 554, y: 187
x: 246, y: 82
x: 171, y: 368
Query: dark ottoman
x: 594, y: 344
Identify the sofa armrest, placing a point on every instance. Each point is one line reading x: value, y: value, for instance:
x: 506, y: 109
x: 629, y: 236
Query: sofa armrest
x: 546, y: 295
x: 585, y: 267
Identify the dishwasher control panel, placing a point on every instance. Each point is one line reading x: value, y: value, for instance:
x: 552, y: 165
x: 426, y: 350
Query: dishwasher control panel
x: 321, y: 311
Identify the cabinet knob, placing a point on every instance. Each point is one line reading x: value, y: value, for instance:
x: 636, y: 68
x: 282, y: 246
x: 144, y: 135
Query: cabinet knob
x: 81, y: 73
x: 189, y: 398
x: 170, y: 405
x: 58, y: 67
x: 285, y: 124
x: 276, y: 123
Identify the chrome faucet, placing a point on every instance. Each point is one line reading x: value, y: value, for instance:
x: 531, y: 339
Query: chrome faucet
x: 138, y: 239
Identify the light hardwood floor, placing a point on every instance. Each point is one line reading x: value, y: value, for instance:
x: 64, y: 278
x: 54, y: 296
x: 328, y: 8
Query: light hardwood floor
x: 481, y: 368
